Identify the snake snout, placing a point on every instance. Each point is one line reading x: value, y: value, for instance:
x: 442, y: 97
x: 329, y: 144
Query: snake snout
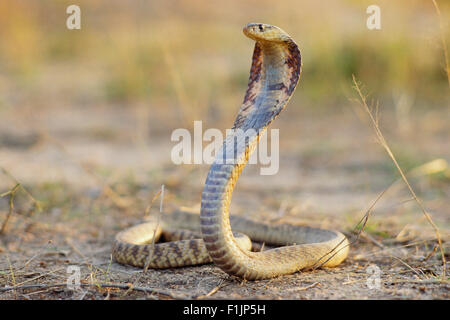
x: 256, y: 31
x: 264, y: 32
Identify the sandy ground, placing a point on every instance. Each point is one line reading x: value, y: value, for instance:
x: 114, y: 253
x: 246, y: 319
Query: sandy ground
x: 331, y: 171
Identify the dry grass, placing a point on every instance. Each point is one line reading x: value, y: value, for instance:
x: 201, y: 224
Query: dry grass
x: 444, y: 42
x: 375, y: 122
x: 12, y: 193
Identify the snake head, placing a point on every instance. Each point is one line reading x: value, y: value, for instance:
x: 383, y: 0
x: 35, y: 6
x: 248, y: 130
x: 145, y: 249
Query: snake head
x: 266, y: 32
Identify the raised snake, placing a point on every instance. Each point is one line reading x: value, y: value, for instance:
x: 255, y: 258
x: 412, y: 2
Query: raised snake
x: 274, y: 74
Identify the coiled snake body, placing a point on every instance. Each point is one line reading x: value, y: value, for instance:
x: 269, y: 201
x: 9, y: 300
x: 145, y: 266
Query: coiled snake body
x: 274, y: 74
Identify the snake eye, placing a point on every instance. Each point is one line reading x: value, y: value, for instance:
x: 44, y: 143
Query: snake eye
x: 261, y: 27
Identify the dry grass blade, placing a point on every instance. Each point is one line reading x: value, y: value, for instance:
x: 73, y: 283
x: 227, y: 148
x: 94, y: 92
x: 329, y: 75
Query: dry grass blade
x: 10, y: 176
x: 161, y: 195
x: 361, y: 223
x: 444, y: 43
x: 178, y: 85
x: 40, y: 276
x: 384, y: 144
x: 36, y: 255
x: 13, y: 278
x: 155, y: 197
x: 11, y: 194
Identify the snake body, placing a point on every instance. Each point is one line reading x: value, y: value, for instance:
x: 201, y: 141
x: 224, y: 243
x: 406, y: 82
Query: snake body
x: 274, y: 75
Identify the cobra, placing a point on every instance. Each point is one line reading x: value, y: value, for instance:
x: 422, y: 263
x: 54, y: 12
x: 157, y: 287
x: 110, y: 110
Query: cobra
x: 274, y: 75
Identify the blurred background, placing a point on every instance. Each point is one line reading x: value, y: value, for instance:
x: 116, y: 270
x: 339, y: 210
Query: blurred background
x: 81, y: 109
x: 86, y: 118
x: 148, y: 51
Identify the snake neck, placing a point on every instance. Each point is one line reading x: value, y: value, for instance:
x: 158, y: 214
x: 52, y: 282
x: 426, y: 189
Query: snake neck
x: 273, y: 77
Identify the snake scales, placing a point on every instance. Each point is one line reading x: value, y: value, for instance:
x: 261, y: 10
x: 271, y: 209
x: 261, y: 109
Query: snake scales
x: 274, y: 74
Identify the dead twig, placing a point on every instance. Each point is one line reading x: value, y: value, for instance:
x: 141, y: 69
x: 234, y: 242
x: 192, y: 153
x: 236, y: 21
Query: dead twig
x: 309, y: 287
x: 213, y: 291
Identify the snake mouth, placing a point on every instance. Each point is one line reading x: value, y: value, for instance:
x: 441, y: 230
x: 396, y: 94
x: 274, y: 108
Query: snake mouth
x: 265, y: 32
